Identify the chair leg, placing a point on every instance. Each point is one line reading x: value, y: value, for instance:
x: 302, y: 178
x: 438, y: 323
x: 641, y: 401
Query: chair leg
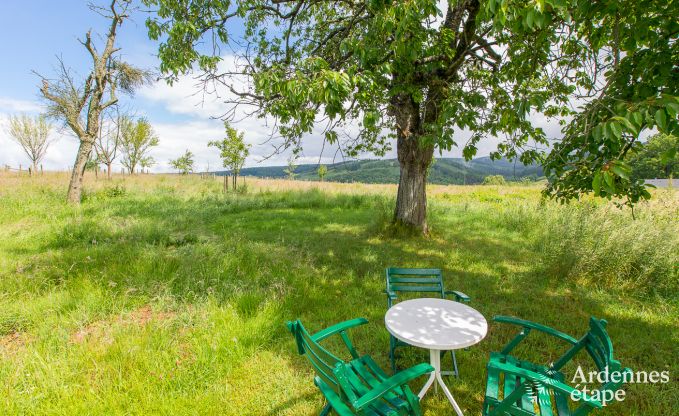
x: 392, y: 354
x: 457, y: 373
x: 326, y: 410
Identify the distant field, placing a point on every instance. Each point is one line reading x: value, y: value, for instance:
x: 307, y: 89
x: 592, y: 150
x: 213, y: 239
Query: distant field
x: 161, y: 295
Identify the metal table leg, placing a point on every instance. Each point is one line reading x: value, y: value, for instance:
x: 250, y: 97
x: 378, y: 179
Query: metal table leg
x: 435, y: 358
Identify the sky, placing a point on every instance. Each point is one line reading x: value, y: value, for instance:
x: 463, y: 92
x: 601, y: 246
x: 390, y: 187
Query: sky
x: 33, y: 33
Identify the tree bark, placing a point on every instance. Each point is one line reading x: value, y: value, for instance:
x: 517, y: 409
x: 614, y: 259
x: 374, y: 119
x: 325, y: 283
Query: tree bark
x: 76, y: 184
x: 414, y: 159
x: 108, y: 170
x: 411, y: 200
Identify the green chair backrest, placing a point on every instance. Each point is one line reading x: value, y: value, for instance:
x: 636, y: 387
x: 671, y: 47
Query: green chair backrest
x: 598, y: 345
x: 600, y: 348
x: 415, y: 280
x: 321, y: 359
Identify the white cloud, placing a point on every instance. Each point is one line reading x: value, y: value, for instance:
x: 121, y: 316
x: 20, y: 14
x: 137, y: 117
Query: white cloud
x: 11, y: 105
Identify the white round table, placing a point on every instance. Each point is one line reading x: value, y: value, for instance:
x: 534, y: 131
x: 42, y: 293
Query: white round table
x: 437, y: 325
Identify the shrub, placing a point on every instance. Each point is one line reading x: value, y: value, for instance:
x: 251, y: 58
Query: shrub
x: 494, y: 180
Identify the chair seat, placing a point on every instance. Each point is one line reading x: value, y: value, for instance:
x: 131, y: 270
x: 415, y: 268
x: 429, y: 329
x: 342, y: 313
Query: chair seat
x: 500, y: 385
x: 366, y: 374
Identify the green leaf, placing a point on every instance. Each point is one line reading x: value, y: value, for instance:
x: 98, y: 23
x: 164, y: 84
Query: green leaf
x: 598, y: 132
x: 596, y: 183
x: 661, y: 119
x: 609, y: 182
x: 529, y: 18
x: 616, y: 128
x: 620, y: 171
x: 628, y: 124
x: 672, y: 109
x: 637, y: 119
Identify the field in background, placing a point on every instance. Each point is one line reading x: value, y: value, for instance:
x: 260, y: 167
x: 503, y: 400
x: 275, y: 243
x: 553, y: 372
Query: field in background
x: 162, y: 295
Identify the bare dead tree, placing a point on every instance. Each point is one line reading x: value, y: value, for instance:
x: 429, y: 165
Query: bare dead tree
x: 32, y: 134
x: 81, y: 104
x: 107, y: 142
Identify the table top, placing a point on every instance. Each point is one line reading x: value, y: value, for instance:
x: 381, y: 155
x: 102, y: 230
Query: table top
x: 436, y: 324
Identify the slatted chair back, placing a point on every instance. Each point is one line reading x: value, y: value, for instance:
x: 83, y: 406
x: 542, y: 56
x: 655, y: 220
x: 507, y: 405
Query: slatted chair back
x: 415, y: 281
x: 599, y: 346
x: 596, y: 342
x: 322, y: 360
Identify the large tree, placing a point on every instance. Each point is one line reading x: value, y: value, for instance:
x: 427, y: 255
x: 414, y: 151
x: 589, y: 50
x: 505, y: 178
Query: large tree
x: 80, y: 103
x: 420, y: 71
x: 32, y: 134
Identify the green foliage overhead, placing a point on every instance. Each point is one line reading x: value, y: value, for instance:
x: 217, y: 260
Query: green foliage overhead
x: 658, y: 158
x: 184, y: 164
x: 482, y: 66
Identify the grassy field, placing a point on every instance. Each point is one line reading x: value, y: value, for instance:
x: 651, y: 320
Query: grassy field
x: 161, y: 295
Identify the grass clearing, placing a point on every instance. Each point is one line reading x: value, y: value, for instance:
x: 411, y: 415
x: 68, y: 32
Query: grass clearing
x: 161, y: 295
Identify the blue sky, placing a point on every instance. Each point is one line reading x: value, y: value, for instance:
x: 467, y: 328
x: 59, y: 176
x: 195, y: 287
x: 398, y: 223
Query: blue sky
x: 34, y: 32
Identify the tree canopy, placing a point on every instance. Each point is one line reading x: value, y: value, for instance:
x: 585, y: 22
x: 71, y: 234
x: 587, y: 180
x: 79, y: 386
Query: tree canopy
x: 184, y: 163
x: 137, y: 139
x: 32, y: 134
x: 232, y: 150
x: 411, y: 71
x: 658, y: 158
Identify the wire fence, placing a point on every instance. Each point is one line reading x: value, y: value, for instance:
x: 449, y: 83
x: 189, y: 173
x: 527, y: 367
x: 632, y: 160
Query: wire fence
x: 21, y: 169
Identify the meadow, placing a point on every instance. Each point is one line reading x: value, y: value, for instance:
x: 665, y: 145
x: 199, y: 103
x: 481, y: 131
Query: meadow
x: 162, y: 295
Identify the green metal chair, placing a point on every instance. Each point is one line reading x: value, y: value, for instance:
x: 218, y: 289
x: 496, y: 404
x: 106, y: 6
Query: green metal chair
x: 358, y: 386
x: 418, y: 281
x: 516, y: 387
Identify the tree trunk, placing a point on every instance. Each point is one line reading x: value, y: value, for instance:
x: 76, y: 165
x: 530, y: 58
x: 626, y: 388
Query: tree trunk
x: 411, y: 200
x: 108, y: 170
x: 414, y: 159
x: 235, y: 182
x: 76, y: 184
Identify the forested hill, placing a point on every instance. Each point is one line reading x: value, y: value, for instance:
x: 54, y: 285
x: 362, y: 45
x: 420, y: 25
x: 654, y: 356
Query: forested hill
x: 443, y: 171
